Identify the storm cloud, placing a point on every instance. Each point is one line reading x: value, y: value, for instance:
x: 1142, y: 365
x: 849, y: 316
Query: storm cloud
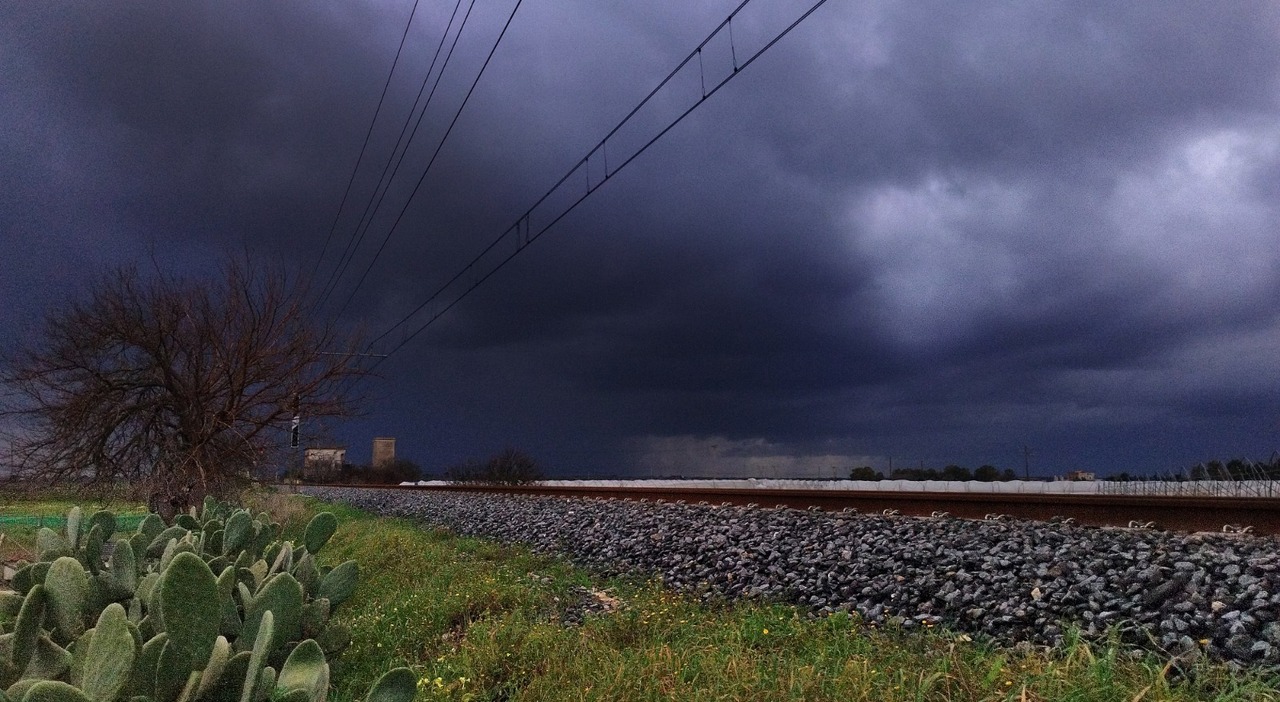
x: 937, y: 232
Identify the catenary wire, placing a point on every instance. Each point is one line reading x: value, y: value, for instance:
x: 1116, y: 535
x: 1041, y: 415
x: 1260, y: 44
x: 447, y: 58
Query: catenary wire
x: 374, y: 203
x: 363, y: 147
x: 431, y: 162
x: 601, y: 145
x: 521, y: 224
x: 375, y: 200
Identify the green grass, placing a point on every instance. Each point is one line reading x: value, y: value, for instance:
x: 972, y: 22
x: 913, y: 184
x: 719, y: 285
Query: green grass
x: 479, y: 621
x: 22, y: 516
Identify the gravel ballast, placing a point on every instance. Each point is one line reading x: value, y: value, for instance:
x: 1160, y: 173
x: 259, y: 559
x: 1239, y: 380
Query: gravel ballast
x: 1185, y: 594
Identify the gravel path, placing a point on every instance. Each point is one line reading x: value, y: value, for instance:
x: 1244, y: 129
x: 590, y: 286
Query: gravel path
x: 1186, y: 594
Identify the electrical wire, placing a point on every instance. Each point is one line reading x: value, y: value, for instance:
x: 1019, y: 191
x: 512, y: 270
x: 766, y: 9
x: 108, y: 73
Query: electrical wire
x: 452, y: 123
x: 364, y: 147
x: 384, y: 182
x: 522, y: 229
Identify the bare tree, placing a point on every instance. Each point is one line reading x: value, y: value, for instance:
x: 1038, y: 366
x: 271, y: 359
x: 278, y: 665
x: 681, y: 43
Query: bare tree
x: 177, y: 388
x: 510, y: 467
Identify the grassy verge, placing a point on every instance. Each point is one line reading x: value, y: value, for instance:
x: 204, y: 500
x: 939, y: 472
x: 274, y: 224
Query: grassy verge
x: 19, y: 539
x: 479, y: 621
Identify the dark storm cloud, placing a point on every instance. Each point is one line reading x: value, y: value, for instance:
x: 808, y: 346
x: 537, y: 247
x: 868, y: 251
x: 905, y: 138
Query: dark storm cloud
x: 931, y: 230
x: 189, y: 120
x: 925, y: 86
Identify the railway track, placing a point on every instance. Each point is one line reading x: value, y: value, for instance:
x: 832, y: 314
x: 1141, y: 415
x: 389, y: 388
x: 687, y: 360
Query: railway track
x: 1181, y: 513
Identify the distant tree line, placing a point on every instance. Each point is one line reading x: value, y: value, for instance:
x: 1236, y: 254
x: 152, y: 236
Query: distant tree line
x: 510, y: 467
x: 1234, y: 469
x: 984, y: 473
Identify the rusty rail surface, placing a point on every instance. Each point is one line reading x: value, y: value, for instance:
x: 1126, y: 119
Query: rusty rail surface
x: 1169, y: 512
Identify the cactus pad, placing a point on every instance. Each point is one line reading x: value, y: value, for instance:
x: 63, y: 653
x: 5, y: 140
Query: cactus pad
x: 305, y: 669
x: 230, y: 680
x: 50, y: 544
x: 74, y: 518
x: 48, y: 661
x: 186, y: 598
x: 142, y: 681
x: 263, y: 634
x: 161, y: 540
x: 396, y: 685
x: 53, y: 691
x: 109, y: 660
x: 319, y: 530
x: 237, y: 532
x: 104, y: 519
x: 282, y: 595
x: 68, y: 587
x: 338, y: 584
x: 124, y: 571
x: 93, y: 548
x: 27, y: 627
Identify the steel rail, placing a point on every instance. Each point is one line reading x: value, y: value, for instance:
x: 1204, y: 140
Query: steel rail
x: 1179, y: 513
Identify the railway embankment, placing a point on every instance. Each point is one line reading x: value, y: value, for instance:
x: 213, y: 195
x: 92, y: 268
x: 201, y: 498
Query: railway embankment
x: 1189, y: 595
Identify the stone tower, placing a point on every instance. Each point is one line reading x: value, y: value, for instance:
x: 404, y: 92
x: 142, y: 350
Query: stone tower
x: 384, y: 451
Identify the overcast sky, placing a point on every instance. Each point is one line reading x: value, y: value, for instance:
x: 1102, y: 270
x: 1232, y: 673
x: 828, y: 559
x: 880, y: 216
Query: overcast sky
x: 937, y: 232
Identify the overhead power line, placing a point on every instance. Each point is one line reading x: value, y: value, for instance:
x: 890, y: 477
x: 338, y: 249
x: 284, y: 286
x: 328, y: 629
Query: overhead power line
x: 384, y: 182
x: 363, y: 147
x: 439, y: 146
x: 484, y: 265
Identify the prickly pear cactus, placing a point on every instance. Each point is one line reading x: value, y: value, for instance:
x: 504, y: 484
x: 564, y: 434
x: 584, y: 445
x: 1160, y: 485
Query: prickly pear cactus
x: 319, y: 530
x: 122, y: 572
x: 67, y: 585
x: 264, y: 632
x: 305, y: 669
x: 105, y: 519
x: 161, y: 540
x: 396, y: 685
x: 237, y: 532
x: 110, y: 657
x: 186, y: 604
x: 54, y: 691
x: 26, y: 629
x: 195, y: 611
x: 338, y: 584
x: 307, y: 573
x: 151, y: 526
x: 282, y: 597
x: 142, y: 680
x: 74, y: 518
x: 51, y: 545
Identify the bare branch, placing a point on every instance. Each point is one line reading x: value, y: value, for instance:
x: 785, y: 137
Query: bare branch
x: 176, y: 387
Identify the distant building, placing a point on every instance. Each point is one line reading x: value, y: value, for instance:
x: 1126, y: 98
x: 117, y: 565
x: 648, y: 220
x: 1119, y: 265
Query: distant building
x: 384, y: 451
x: 323, y: 463
x: 1081, y: 476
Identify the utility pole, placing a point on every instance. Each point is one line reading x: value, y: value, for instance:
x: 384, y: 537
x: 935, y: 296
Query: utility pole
x: 1026, y: 462
x: 297, y: 422
x: 296, y: 462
